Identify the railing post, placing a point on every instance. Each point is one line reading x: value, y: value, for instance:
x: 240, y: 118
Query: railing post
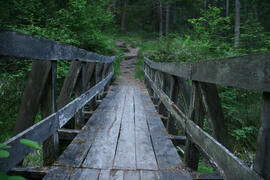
x: 150, y: 73
x: 80, y: 89
x: 196, y: 114
x: 90, y: 80
x: 161, y: 108
x: 32, y: 95
x: 98, y: 77
x: 104, y: 74
x: 173, y: 93
x: 50, y: 146
x: 69, y: 83
x: 186, y: 90
x: 262, y: 165
x: 109, y: 70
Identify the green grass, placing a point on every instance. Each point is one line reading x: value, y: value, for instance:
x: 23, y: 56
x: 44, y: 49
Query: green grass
x: 204, y: 167
x: 116, y: 65
x: 34, y: 159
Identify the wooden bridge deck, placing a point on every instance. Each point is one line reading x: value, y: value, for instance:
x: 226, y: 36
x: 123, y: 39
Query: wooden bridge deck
x: 124, y: 139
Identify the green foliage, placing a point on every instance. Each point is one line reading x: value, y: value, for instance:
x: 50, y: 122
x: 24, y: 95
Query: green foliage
x: 202, y: 168
x: 2, y: 146
x: 182, y: 49
x: 35, y: 158
x: 78, y: 22
x: 212, y: 28
x: 30, y: 143
x: 4, y: 154
x: 116, y: 65
x: 242, y: 112
x: 253, y: 37
x: 3, y: 176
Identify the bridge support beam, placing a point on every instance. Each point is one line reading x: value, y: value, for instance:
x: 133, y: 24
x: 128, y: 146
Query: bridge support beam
x: 212, y: 105
x: 262, y: 165
x: 80, y: 88
x: 50, y: 146
x: 196, y: 113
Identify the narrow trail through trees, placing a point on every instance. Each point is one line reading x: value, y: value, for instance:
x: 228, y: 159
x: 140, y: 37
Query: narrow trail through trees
x: 128, y: 67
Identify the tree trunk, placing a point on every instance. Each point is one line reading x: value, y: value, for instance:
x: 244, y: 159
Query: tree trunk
x: 160, y: 20
x: 237, y: 23
x: 227, y: 7
x: 123, y: 21
x: 114, y: 7
x: 167, y: 19
x: 174, y: 17
x: 205, y: 5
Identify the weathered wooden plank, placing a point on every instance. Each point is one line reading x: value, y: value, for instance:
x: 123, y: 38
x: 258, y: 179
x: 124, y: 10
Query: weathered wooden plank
x: 173, y: 92
x: 148, y: 175
x: 166, y: 154
x: 196, y: 114
x: 222, y: 157
x: 111, y: 175
x: 145, y: 156
x: 185, y: 89
x: 212, y: 105
x: 30, y: 172
x: 104, y: 175
x: 81, y: 174
x: 69, y: 83
x: 90, y: 69
x: 68, y: 134
x: 76, y: 152
x: 173, y: 175
x: 50, y: 145
x: 177, y: 69
x: 125, y: 157
x: 46, y: 110
x: 245, y: 71
x: 116, y: 175
x: 80, y: 84
x: 262, y: 165
x: 161, y: 108
x: 211, y: 176
x: 132, y: 175
x: 98, y: 78
x: 32, y: 95
x: 102, y: 151
x: 16, y: 44
x: 178, y: 140
x: 67, y: 112
x: 38, y: 132
x: 58, y: 173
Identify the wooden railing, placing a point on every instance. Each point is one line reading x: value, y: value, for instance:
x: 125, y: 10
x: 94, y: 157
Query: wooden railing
x: 89, y: 76
x: 169, y: 85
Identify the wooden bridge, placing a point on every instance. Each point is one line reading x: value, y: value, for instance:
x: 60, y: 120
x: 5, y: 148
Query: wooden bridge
x: 119, y: 132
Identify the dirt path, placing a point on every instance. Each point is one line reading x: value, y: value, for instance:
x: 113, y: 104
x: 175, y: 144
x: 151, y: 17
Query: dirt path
x: 128, y: 67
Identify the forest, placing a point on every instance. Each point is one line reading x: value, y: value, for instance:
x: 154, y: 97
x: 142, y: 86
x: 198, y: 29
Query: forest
x: 165, y: 31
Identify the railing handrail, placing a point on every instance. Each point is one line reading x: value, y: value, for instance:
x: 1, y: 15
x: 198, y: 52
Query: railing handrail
x: 15, y: 44
x: 249, y: 71
x: 257, y: 67
x: 45, y: 128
